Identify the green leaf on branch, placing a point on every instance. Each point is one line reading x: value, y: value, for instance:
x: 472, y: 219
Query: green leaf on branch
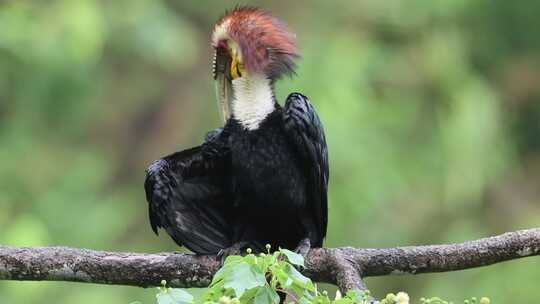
x: 258, y: 279
x: 282, y: 277
x: 298, y: 278
x: 293, y: 257
x: 266, y: 295
x: 244, y: 276
x: 174, y: 296
x: 248, y: 295
x: 230, y: 262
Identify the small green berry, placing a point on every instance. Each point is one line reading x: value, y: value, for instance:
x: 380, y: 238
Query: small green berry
x: 248, y: 251
x: 484, y: 300
x: 391, y: 298
x: 163, y: 283
x: 268, y: 247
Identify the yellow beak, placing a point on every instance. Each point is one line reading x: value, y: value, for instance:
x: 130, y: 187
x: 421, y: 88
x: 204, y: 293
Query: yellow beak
x: 237, y: 68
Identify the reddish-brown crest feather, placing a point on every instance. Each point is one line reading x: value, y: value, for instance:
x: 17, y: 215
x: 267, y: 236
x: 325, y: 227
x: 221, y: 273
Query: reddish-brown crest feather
x: 266, y: 45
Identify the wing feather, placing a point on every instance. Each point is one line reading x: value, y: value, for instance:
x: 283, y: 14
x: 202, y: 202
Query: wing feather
x: 187, y: 196
x: 305, y: 130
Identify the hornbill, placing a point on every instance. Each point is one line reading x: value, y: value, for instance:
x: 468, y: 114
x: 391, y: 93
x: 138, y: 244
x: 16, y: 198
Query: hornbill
x: 260, y: 179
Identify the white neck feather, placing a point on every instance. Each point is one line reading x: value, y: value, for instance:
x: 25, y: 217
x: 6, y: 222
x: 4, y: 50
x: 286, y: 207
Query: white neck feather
x: 253, y: 100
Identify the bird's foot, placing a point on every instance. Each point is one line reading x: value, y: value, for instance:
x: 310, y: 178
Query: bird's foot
x: 234, y: 249
x: 303, y: 247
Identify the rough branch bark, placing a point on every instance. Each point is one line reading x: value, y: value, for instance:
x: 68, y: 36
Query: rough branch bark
x: 344, y: 267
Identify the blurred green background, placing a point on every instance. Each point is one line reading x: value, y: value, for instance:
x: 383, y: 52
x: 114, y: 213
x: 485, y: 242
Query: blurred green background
x: 431, y: 110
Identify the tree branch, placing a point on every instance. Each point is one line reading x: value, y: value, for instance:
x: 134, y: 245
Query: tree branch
x: 344, y: 267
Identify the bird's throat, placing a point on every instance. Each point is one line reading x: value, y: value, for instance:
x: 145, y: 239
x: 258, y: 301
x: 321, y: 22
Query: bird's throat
x: 253, y: 100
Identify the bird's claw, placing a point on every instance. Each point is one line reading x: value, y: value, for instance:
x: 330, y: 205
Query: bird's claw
x: 235, y: 249
x: 303, y: 248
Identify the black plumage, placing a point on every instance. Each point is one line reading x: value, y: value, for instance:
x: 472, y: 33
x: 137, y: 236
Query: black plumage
x: 246, y: 187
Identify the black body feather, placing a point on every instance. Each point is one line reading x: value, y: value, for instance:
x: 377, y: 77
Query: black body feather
x: 261, y: 186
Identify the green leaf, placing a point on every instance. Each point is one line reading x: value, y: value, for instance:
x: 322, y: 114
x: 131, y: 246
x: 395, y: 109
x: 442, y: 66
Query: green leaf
x: 345, y: 301
x: 353, y: 294
x: 174, y: 296
x: 293, y: 257
x: 248, y: 295
x: 304, y: 300
x: 251, y: 259
x: 320, y: 299
x: 299, y: 278
x: 266, y: 295
x: 230, y: 262
x: 282, y: 277
x: 301, y: 284
x: 242, y: 277
x: 220, y: 275
x: 214, y: 292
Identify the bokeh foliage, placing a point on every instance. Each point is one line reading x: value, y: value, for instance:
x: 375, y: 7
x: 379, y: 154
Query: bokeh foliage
x: 431, y: 110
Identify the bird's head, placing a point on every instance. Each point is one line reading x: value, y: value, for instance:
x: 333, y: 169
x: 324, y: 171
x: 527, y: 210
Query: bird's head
x: 250, y: 43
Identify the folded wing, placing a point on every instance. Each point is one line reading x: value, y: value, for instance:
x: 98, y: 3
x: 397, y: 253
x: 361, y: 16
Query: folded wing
x: 306, y: 134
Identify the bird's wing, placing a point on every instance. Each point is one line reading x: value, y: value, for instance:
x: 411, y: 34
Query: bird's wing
x: 305, y: 131
x: 187, y: 196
